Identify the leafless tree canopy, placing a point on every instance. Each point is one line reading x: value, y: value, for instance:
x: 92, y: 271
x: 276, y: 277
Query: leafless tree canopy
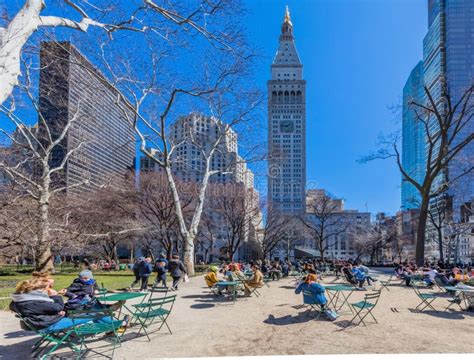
x: 444, y: 123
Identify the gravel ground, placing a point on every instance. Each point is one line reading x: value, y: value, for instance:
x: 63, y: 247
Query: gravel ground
x: 276, y: 324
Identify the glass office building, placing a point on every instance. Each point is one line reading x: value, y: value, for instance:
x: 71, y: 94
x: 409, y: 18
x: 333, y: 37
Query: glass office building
x: 413, y: 138
x: 448, y: 57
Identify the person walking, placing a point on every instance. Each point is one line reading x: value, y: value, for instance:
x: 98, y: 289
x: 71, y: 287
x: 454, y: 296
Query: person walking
x: 144, y: 271
x: 161, y: 268
x: 135, y: 269
x: 177, y: 270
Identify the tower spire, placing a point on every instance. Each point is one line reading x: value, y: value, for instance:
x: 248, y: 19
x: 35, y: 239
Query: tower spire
x: 287, y: 26
x: 287, y: 16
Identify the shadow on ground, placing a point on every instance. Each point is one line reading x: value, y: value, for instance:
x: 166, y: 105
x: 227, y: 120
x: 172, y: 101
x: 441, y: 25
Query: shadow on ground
x: 289, y: 319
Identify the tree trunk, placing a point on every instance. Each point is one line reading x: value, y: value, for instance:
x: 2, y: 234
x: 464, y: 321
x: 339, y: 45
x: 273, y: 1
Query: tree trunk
x: 188, y: 257
x: 440, y: 244
x: 420, y: 236
x: 44, y: 257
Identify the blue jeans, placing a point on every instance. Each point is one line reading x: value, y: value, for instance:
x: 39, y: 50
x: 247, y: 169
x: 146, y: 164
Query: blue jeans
x: 66, y: 323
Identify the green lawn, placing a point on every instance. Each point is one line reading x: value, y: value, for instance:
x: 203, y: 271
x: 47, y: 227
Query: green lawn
x: 112, y: 280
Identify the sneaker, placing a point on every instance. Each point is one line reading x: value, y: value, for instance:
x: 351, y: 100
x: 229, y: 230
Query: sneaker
x: 455, y: 301
x: 126, y: 321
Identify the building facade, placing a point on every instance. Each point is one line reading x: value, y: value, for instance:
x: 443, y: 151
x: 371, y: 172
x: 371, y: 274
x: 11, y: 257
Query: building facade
x: 287, y: 126
x: 413, y: 139
x: 191, y: 136
x: 448, y: 57
x: 72, y: 92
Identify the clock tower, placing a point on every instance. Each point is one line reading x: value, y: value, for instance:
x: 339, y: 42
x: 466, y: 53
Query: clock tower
x: 287, y: 127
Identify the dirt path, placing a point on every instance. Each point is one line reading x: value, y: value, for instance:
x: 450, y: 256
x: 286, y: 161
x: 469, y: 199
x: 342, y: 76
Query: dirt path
x: 276, y: 324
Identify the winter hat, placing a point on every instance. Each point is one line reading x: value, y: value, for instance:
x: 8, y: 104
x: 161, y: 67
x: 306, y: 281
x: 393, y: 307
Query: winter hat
x: 86, y: 273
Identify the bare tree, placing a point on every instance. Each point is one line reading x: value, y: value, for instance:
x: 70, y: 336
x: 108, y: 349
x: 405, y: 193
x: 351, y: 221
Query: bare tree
x: 371, y: 240
x: 323, y: 221
x: 438, y: 218
x: 207, y: 234
x: 444, y: 123
x: 157, y: 211
x: 275, y: 232
x: 105, y: 218
x: 238, y: 211
x: 30, y: 18
x: 33, y: 170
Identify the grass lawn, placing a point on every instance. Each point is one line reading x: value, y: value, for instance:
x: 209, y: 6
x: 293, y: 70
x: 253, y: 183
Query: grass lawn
x: 112, y: 280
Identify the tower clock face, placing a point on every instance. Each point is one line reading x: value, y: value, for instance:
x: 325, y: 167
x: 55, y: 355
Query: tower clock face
x: 286, y: 126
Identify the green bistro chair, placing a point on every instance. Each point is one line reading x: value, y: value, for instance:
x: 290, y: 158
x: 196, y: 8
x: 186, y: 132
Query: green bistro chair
x: 313, y: 307
x: 384, y: 284
x: 102, y: 322
x: 154, y: 311
x: 365, y: 307
x: 39, y: 349
x: 426, y: 299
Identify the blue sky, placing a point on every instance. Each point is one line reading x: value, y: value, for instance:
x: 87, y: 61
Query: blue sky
x: 357, y: 55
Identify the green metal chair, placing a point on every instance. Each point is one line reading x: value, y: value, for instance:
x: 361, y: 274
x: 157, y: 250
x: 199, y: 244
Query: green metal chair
x: 155, y: 310
x: 102, y: 322
x: 365, y: 307
x: 384, y: 284
x: 426, y: 299
x: 313, y: 308
x: 39, y: 349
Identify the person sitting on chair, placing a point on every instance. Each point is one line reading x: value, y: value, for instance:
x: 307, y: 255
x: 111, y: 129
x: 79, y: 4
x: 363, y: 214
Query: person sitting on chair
x: 359, y: 276
x: 211, y: 277
x: 237, y: 275
x: 81, y: 293
x: 42, y: 307
x: 311, y: 285
x: 255, y: 282
x: 347, y: 271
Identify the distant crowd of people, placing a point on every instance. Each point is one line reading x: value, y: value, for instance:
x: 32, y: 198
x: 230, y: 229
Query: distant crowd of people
x: 448, y: 275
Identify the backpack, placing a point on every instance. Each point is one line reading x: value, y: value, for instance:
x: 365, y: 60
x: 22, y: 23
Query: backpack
x: 331, y: 314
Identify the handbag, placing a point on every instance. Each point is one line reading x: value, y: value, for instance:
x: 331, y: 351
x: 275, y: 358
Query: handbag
x: 185, y: 278
x: 331, y: 314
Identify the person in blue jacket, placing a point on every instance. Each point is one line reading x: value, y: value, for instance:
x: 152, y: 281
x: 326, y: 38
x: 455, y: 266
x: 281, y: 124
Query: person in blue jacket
x: 360, y: 276
x: 144, y: 271
x: 311, y: 285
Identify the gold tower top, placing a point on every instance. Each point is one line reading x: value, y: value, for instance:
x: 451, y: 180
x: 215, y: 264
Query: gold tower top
x: 287, y: 16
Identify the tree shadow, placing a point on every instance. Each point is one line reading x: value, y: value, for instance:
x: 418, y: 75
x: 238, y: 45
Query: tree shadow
x: 287, y: 287
x: 450, y: 315
x: 18, y: 334
x: 198, y: 296
x: 20, y: 350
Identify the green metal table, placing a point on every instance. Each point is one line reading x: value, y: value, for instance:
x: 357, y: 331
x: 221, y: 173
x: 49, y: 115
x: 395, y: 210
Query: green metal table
x: 466, y: 294
x: 124, y: 296
x: 337, y: 291
x: 231, y: 284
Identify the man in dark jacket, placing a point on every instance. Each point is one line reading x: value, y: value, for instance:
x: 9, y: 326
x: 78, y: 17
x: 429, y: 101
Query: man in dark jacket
x: 177, y: 270
x: 135, y: 270
x: 161, y: 268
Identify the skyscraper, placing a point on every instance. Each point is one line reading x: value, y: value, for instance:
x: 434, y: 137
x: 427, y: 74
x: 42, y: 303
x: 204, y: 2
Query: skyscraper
x: 448, y: 51
x: 74, y: 93
x: 287, y: 126
x: 413, y: 138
